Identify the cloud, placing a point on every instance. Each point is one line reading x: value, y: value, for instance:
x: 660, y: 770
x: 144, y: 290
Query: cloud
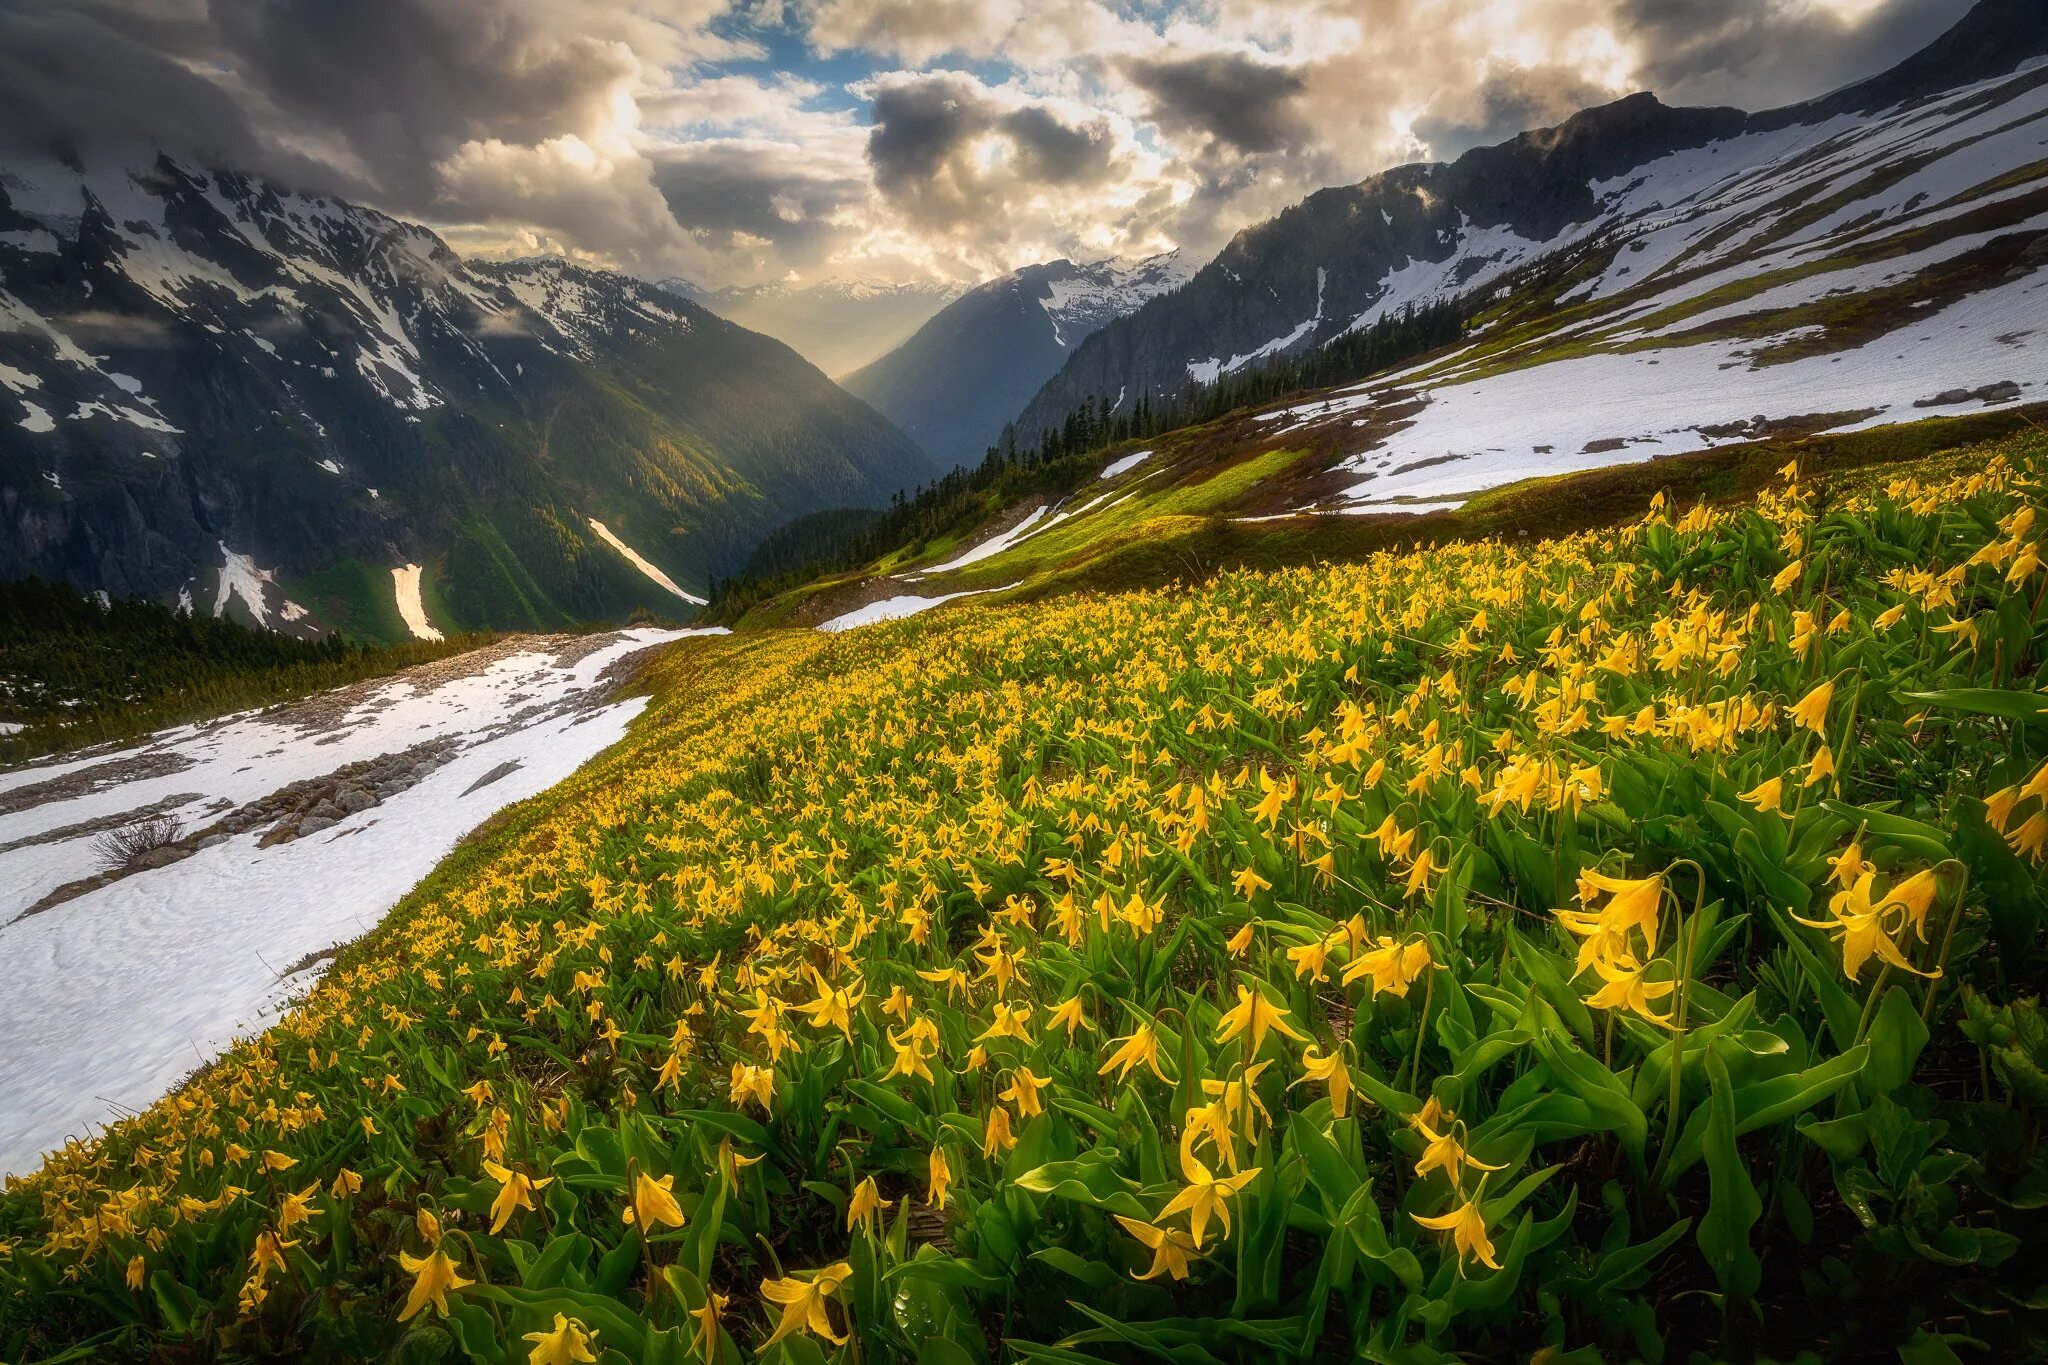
x: 954, y: 155
x: 912, y: 31
x: 740, y: 140
x: 1763, y: 53
x: 1507, y: 99
x: 1230, y: 99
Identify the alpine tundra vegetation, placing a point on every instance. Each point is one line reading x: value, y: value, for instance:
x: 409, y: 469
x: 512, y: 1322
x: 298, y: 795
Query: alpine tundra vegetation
x: 1345, y: 733
x: 1566, y: 949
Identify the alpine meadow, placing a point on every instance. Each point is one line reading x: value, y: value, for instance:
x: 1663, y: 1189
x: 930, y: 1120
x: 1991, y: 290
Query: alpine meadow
x: 1444, y: 762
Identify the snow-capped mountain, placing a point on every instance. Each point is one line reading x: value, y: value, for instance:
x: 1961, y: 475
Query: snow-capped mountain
x: 837, y: 324
x: 955, y: 384
x: 1828, y: 227
x: 310, y: 413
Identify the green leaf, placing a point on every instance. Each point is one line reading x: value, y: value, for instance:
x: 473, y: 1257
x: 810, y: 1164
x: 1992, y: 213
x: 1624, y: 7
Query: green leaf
x: 1896, y: 1037
x: 1988, y: 701
x: 1732, y: 1203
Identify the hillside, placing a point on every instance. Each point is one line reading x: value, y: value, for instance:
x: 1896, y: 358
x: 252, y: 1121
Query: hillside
x: 75, y: 671
x: 954, y: 385
x: 315, y: 416
x: 1594, y: 946
x: 1698, y: 269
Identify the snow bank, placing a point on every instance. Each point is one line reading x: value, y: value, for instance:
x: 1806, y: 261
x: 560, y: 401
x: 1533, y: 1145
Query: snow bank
x: 406, y: 582
x: 896, y: 608
x: 639, y: 562
x: 1126, y: 464
x: 108, y: 1000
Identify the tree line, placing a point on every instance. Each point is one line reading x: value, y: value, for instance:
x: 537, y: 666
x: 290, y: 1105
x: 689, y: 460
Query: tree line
x: 836, y: 542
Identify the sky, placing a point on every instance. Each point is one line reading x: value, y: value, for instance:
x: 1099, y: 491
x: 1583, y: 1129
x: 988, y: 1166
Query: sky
x: 754, y: 141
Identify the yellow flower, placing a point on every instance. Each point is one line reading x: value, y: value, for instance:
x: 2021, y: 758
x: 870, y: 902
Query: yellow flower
x: 1023, y: 1092
x: 802, y: 1299
x: 137, y: 1267
x: 1467, y: 1226
x: 938, y: 1176
x: 435, y: 1279
x: 996, y: 1138
x: 346, y: 1183
x: 1249, y: 883
x: 278, y: 1161
x: 1140, y: 1045
x: 866, y: 1202
x: 1859, y: 928
x: 1203, y: 1196
x: 1443, y: 1152
x: 1628, y: 987
x: 1332, y: 1072
x: 515, y: 1193
x: 1170, y: 1248
x: 1258, y: 1015
x: 1766, y: 795
x: 834, y: 1006
x: 653, y: 1204
x: 1067, y: 1015
x: 568, y: 1344
x: 1811, y: 710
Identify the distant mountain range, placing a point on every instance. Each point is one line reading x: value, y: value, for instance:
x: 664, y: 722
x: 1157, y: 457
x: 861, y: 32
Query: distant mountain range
x: 837, y: 324
x: 314, y: 415
x: 956, y: 383
x: 1594, y: 198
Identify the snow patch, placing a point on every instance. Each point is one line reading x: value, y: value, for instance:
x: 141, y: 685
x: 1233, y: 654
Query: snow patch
x: 1126, y: 464
x: 405, y: 581
x: 193, y: 951
x: 640, y: 562
x: 896, y: 608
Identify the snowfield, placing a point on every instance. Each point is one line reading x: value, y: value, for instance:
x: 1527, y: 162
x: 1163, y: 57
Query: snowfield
x: 896, y: 608
x: 109, y: 999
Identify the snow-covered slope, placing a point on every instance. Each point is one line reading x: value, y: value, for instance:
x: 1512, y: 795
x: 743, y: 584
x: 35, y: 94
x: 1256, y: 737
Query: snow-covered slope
x: 1827, y: 276
x: 213, y: 387
x: 201, y: 949
x: 1562, y: 227
x: 956, y: 384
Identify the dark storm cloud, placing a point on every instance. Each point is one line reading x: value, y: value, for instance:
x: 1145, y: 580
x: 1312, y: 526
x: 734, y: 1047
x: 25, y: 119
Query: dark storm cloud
x: 726, y: 192
x: 79, y: 77
x: 1512, y: 99
x: 406, y: 82
x: 928, y: 149
x: 1055, y: 153
x: 1758, y: 56
x: 1230, y: 98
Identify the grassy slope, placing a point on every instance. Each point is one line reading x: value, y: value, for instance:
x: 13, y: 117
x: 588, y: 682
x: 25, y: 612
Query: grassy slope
x: 1183, y: 519
x: 763, y: 748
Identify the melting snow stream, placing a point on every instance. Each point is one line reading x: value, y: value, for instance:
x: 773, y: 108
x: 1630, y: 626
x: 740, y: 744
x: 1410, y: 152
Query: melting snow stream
x: 109, y: 998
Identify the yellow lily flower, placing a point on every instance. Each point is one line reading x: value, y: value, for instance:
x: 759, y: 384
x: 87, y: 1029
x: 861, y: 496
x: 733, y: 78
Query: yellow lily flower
x: 568, y: 1344
x: 1204, y: 1196
x: 1467, y: 1226
x: 1258, y: 1015
x: 653, y: 1204
x: 1170, y: 1248
x: 802, y: 1300
x: 435, y: 1278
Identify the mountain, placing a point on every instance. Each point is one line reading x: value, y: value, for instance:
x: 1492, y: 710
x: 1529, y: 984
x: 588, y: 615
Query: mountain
x: 837, y: 324
x: 314, y: 415
x: 1616, y: 213
x: 955, y: 384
